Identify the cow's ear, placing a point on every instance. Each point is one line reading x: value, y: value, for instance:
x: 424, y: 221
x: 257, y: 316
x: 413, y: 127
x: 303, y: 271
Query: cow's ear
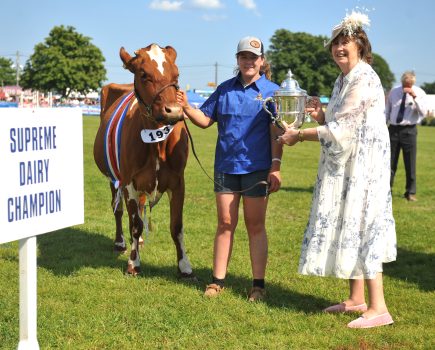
x: 171, y: 52
x: 126, y: 59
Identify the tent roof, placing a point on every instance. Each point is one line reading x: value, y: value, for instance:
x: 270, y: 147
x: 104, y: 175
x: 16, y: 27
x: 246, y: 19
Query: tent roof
x: 194, y: 97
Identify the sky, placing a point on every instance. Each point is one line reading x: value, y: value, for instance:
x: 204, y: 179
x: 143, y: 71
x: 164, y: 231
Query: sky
x: 205, y: 33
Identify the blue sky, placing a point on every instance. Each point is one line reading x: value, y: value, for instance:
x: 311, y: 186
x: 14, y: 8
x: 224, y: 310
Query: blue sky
x: 206, y: 32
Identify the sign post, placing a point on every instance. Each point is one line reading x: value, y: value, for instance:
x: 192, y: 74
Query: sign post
x: 42, y: 191
x: 28, y: 282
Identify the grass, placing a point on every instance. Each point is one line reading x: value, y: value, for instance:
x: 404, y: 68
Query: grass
x: 85, y: 301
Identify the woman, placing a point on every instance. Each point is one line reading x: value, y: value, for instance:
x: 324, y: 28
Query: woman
x: 247, y: 160
x: 351, y: 229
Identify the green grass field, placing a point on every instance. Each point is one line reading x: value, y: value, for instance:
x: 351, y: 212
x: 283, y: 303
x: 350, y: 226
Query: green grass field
x: 85, y: 301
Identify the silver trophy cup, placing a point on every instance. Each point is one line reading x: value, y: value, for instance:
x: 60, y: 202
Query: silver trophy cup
x: 288, y: 104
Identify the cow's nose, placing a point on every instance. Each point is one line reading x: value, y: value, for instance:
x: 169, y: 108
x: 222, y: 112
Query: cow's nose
x: 173, y: 109
x: 173, y: 112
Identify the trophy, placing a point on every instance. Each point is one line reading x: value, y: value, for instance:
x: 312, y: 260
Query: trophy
x: 289, y: 104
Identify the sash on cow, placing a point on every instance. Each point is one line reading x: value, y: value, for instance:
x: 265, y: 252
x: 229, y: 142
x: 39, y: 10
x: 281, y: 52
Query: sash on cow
x: 112, y: 140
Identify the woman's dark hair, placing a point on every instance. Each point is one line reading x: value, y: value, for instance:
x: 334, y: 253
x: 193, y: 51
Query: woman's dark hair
x: 362, y: 41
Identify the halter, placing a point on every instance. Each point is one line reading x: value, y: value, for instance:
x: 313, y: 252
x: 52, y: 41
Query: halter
x: 149, y: 107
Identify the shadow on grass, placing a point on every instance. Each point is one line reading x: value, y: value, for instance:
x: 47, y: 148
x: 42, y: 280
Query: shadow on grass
x: 277, y: 295
x: 66, y: 251
x: 413, y: 267
x: 297, y: 189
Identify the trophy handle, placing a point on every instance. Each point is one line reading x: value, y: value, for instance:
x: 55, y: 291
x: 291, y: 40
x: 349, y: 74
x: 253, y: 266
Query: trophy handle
x: 273, y: 117
x: 265, y: 107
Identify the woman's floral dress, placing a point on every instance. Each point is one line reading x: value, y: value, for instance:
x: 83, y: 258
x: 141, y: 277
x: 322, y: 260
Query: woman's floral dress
x: 351, y: 229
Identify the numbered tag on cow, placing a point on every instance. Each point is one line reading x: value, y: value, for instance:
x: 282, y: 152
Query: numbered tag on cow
x: 156, y: 135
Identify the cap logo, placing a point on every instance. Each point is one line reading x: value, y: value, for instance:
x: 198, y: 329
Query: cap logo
x: 255, y: 44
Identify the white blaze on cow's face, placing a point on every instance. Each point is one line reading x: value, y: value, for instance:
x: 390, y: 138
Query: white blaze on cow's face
x: 156, y: 54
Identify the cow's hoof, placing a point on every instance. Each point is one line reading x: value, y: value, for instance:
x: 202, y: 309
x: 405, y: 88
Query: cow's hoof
x: 188, y: 277
x: 133, y: 270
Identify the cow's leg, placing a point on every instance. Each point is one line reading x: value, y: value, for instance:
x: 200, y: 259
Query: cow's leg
x: 136, y: 228
x: 120, y: 245
x: 176, y: 200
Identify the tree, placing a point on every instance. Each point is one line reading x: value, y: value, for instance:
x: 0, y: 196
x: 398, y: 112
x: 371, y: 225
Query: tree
x: 7, y: 73
x: 429, y: 88
x: 380, y: 66
x: 65, y: 62
x: 311, y: 63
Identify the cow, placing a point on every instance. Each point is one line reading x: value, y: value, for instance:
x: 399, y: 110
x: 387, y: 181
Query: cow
x: 142, y: 147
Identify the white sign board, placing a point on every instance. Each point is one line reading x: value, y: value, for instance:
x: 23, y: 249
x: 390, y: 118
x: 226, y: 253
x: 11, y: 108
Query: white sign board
x: 41, y: 176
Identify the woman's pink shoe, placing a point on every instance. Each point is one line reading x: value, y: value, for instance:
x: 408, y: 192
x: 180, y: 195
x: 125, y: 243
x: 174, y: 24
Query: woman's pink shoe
x: 343, y: 308
x: 377, y: 321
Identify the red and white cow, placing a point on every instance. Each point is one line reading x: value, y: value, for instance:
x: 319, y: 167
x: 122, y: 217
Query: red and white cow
x: 142, y: 146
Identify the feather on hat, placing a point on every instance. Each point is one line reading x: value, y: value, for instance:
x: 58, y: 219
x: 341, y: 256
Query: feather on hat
x: 350, y: 23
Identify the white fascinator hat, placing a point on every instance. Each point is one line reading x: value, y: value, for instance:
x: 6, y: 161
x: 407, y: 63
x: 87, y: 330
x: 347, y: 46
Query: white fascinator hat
x: 349, y: 25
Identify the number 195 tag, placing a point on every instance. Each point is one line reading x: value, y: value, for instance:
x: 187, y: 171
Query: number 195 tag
x: 156, y: 135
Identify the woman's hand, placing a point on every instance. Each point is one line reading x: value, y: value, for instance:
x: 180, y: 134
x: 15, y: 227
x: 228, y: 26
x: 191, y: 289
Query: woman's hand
x: 290, y: 137
x: 314, y: 109
x: 317, y: 114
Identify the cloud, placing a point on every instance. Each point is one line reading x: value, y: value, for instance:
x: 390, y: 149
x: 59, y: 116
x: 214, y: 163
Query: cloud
x: 209, y: 4
x: 166, y: 5
x: 213, y: 18
x: 248, y: 4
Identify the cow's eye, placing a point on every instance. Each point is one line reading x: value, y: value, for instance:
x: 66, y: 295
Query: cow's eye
x: 143, y: 76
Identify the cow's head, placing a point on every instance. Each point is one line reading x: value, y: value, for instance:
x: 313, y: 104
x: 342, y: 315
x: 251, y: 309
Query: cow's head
x: 155, y: 82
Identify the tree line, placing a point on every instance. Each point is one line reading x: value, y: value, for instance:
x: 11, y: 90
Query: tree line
x: 68, y: 61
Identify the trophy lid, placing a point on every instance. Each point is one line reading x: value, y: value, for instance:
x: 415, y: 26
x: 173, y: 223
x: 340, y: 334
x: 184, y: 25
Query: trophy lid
x: 290, y: 87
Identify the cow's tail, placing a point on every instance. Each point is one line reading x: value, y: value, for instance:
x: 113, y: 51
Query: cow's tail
x: 143, y: 210
x: 118, y: 198
x: 146, y: 223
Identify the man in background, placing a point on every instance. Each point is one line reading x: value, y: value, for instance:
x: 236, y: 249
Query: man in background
x: 405, y: 108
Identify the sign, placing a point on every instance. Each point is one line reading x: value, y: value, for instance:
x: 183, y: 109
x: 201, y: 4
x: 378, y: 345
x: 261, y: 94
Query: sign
x: 41, y: 176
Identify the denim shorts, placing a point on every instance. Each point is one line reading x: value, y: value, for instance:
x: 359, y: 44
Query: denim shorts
x: 230, y: 183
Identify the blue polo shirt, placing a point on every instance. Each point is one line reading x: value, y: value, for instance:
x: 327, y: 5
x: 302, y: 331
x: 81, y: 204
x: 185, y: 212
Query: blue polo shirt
x: 243, y: 143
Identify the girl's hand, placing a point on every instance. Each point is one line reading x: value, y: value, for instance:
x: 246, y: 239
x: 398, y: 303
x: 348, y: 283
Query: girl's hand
x: 182, y: 98
x: 274, y: 181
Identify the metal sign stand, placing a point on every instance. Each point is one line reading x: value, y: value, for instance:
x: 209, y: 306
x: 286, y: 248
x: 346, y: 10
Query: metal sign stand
x: 28, y: 288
